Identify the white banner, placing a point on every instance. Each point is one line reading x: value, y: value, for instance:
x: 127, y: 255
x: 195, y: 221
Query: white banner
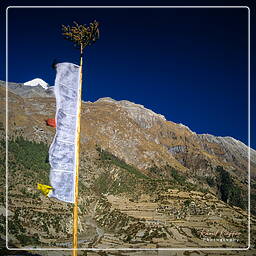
x: 62, y: 152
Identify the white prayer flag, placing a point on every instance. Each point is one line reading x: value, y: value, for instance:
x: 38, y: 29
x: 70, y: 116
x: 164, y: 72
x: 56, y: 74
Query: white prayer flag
x: 62, y: 152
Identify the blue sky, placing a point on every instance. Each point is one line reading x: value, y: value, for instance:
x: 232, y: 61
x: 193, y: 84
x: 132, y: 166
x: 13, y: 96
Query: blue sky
x: 190, y: 65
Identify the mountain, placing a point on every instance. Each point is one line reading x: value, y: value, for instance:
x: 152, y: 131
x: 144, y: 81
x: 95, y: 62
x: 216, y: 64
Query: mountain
x: 37, y: 88
x: 144, y: 181
x: 159, y: 142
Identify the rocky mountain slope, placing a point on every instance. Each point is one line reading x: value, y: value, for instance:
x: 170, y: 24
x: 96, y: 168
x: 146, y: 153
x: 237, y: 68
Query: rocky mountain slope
x: 28, y: 91
x: 144, y: 181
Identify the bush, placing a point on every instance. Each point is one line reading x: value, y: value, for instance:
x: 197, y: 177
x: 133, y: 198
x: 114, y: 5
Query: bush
x: 32, y: 155
x: 229, y: 191
x: 109, y: 157
x: 210, y: 181
x: 29, y: 156
x: 187, y: 202
x: 177, y: 176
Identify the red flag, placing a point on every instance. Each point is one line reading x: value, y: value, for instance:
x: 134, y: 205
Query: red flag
x: 51, y: 122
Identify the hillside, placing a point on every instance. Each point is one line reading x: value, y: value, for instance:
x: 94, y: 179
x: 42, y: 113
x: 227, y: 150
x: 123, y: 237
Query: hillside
x: 145, y: 182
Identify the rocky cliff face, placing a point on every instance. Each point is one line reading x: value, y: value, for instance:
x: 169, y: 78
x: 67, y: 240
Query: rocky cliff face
x: 144, y: 117
x: 137, y: 170
x: 230, y: 150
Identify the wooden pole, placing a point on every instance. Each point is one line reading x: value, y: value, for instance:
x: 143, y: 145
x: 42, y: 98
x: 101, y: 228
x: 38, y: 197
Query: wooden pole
x: 75, y: 210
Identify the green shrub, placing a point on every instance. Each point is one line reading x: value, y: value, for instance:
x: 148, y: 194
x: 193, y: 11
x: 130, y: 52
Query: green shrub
x: 229, y: 191
x: 29, y: 157
x: 187, y: 202
x: 177, y: 176
x: 109, y: 157
x: 210, y: 181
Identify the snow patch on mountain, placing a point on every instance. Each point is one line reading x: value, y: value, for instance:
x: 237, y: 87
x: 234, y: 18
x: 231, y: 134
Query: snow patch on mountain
x: 36, y: 82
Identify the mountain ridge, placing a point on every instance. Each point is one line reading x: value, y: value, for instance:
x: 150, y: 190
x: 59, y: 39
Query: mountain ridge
x: 124, y: 103
x: 155, y: 130
x: 27, y: 91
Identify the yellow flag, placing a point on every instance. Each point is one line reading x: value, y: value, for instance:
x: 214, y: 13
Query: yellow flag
x: 45, y: 189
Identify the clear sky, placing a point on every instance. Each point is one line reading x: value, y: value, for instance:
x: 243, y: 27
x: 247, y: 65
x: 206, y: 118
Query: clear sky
x: 191, y: 65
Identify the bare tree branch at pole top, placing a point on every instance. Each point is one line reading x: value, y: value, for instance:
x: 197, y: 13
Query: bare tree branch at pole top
x: 81, y: 35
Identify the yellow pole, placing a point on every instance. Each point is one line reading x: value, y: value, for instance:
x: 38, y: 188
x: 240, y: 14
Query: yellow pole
x: 75, y: 210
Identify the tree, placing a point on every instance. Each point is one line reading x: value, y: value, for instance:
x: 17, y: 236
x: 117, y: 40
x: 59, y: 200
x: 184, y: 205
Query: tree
x: 81, y: 35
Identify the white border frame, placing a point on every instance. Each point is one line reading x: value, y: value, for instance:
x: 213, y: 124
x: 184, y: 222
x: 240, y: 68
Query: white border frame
x: 135, y: 249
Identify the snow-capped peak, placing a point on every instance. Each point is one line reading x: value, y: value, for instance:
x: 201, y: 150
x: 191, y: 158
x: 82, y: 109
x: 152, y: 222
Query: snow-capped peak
x: 36, y: 82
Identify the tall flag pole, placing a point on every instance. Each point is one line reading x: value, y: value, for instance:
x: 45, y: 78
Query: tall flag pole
x: 82, y: 36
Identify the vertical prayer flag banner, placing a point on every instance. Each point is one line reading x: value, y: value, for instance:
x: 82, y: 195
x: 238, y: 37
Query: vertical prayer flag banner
x: 62, y: 152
